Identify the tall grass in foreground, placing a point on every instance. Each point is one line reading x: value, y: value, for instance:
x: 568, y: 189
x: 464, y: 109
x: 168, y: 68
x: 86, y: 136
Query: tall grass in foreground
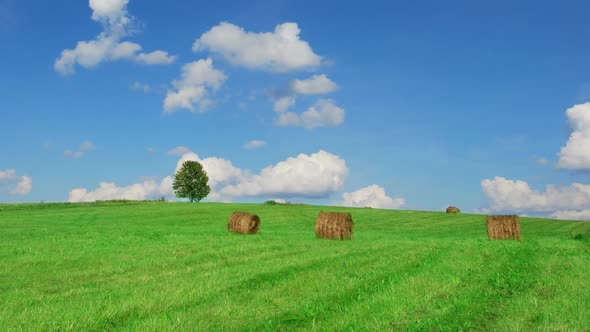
x: 172, y: 266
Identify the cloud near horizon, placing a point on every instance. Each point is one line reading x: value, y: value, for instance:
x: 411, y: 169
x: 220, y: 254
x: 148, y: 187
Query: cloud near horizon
x: 14, y: 184
x: 557, y: 201
x: 316, y: 175
x: 372, y: 196
x: 107, y: 46
x: 516, y: 196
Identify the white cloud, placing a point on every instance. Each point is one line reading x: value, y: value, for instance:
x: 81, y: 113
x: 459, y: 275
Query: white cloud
x: 279, y: 51
x: 219, y: 170
x: 317, y: 84
x: 109, y: 10
x: 372, y: 196
x: 511, y: 196
x: 107, y: 46
x: 576, y: 153
x: 155, y: 58
x: 284, y: 103
x: 201, y: 72
x: 7, y: 175
x: 325, y: 113
x: 15, y: 184
x: 23, y: 186
x: 197, y: 79
x: 288, y: 119
x: 139, y: 191
x: 315, y: 175
x: 179, y: 151
x: 124, y: 50
x: 185, y: 98
x: 255, y: 144
x: 82, y: 149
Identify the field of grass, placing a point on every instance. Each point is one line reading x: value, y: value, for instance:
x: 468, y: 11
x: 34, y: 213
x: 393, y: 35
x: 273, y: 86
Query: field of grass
x: 173, y: 266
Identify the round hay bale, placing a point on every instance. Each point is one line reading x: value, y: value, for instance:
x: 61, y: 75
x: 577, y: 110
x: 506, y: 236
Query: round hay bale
x: 334, y: 225
x: 244, y: 222
x: 504, y: 227
x: 453, y: 209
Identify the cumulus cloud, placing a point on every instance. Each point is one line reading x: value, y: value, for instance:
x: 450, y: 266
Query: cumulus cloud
x: 372, y: 196
x: 255, y: 144
x: 505, y: 195
x: 155, y: 58
x: 279, y: 51
x: 23, y: 186
x: 576, y: 153
x: 110, y: 10
x: 15, y: 184
x: 82, y: 149
x: 283, y: 104
x: 325, y: 113
x: 109, y: 190
x: 557, y: 201
x: 107, y: 46
x: 316, y: 175
x: 315, y: 85
x: 198, y: 79
x: 288, y: 119
x: 220, y: 171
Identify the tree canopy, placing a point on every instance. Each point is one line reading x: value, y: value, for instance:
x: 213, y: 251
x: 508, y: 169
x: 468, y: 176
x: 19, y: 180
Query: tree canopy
x: 191, y: 181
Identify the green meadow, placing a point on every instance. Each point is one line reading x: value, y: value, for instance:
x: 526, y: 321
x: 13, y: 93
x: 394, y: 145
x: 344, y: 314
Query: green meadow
x: 157, y: 266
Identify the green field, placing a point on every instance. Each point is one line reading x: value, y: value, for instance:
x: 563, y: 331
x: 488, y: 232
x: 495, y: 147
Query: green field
x: 173, y: 266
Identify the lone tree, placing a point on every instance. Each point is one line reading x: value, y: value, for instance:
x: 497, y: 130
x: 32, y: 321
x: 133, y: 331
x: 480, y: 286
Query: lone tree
x: 191, y: 181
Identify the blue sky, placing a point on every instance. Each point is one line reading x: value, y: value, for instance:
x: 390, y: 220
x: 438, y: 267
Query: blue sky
x: 417, y: 105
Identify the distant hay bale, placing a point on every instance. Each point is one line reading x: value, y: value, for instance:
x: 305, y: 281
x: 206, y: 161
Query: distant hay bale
x: 334, y: 225
x: 244, y: 222
x: 453, y: 209
x: 504, y: 227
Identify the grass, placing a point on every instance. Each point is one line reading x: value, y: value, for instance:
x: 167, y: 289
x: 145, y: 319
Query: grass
x: 171, y: 266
